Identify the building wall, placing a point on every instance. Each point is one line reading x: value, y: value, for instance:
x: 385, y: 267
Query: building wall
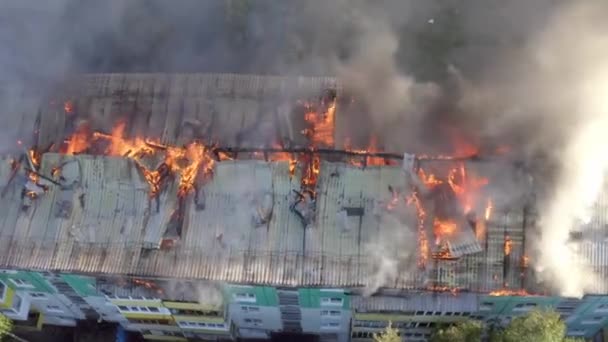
x: 32, y: 300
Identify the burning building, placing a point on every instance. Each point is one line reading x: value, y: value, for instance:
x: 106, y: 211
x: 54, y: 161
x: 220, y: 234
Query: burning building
x: 240, y: 180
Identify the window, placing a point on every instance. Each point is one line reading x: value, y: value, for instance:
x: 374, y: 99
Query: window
x: 150, y: 321
x: 486, y: 306
x: 250, y: 308
x: 330, y: 325
x: 8, y: 271
x: 183, y: 324
x: 245, y: 297
x: 253, y: 321
x: 524, y: 306
x: 188, y: 312
x: 53, y: 308
x: 16, y: 303
x: 331, y: 313
x: 333, y: 301
x: 2, y: 291
x: 39, y: 295
x: 22, y: 283
x: 201, y: 325
x: 576, y: 332
x: 144, y: 309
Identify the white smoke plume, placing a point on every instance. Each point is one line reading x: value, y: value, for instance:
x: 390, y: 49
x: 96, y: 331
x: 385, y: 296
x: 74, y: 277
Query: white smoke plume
x: 550, y: 98
x: 577, y: 44
x: 392, y: 254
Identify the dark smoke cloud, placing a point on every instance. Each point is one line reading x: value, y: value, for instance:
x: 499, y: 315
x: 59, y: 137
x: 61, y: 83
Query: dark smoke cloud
x: 423, y: 74
x: 382, y: 49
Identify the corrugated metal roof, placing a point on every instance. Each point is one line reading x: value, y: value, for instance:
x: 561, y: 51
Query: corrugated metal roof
x: 418, y: 301
x: 106, y: 220
x: 228, y: 108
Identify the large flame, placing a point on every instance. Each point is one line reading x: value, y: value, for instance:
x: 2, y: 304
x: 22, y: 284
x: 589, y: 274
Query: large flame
x: 423, y: 244
x: 119, y: 146
x: 185, y: 162
x: 79, y: 141
x: 320, y: 134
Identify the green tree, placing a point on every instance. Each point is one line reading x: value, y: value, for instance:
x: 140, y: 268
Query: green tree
x: 466, y: 331
x: 6, y: 329
x: 536, y: 326
x: 388, y: 335
x: 6, y: 326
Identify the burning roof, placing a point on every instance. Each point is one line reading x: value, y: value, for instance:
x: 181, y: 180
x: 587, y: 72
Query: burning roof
x: 200, y: 198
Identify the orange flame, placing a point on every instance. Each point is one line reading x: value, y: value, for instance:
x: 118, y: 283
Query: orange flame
x: 465, y: 186
x: 525, y: 261
x: 282, y: 156
x: 444, y: 254
x: 510, y: 292
x: 443, y: 228
x: 79, y: 141
x: 430, y: 180
x: 55, y: 171
x: 372, y: 148
x: 34, y: 157
x: 361, y: 161
x: 508, y: 245
x: 198, y: 157
x: 184, y: 161
x: 124, y: 147
x: 320, y: 133
x: 68, y: 107
x: 423, y: 244
x: 453, y: 290
x: 489, y: 208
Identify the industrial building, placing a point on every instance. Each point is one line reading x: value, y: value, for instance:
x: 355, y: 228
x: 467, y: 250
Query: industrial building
x: 251, y: 250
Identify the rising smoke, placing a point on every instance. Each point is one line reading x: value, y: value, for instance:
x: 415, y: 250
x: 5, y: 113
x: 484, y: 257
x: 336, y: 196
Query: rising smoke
x: 529, y: 74
x: 551, y: 93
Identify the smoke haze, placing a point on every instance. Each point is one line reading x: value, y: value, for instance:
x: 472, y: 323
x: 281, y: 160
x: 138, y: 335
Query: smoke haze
x: 530, y: 75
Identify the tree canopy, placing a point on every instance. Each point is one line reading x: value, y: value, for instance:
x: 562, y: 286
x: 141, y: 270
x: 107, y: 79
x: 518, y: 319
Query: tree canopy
x: 388, y: 335
x: 466, y: 331
x: 6, y: 326
x: 535, y: 326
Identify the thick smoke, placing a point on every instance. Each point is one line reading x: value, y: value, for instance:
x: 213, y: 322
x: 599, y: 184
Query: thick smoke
x: 392, y: 253
x: 527, y: 74
x: 575, y: 47
x: 549, y: 97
